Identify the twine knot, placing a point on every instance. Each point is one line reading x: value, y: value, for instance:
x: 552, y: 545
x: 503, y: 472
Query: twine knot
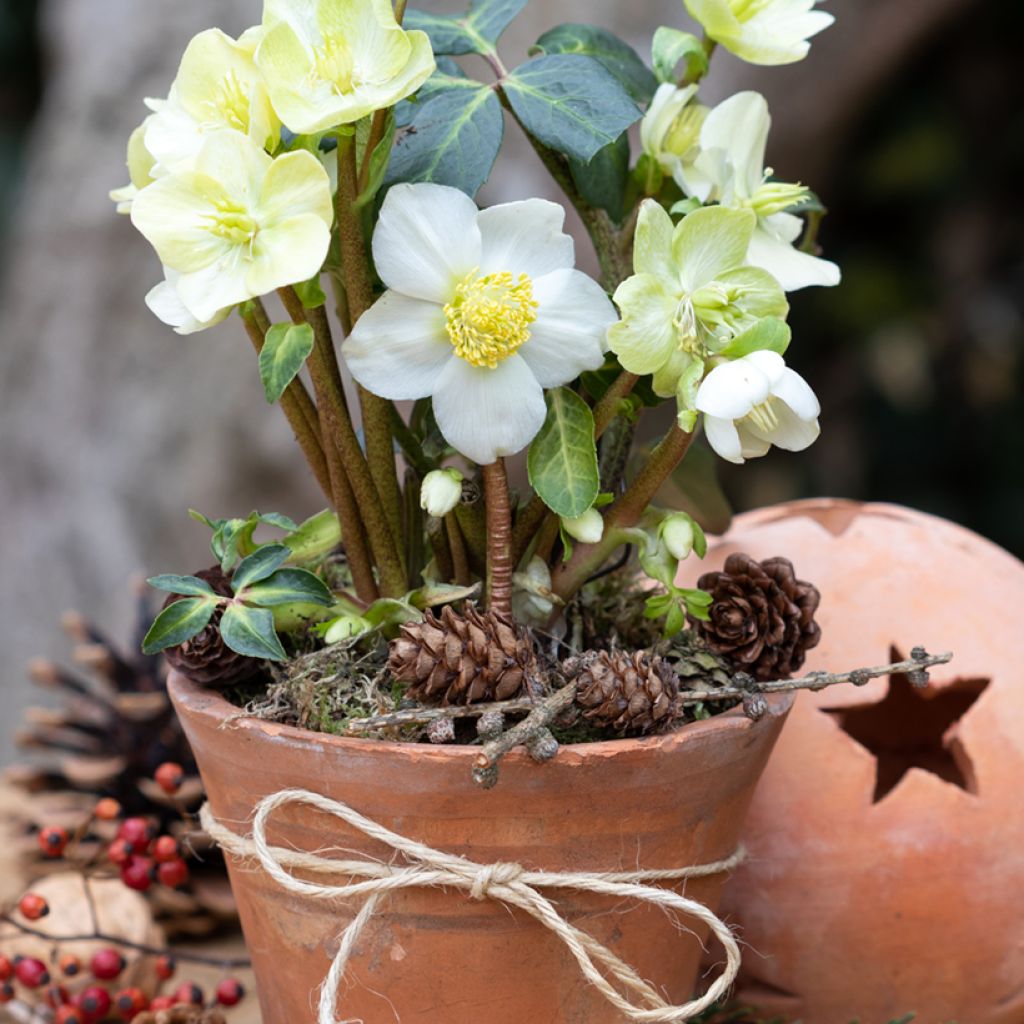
x: 509, y: 884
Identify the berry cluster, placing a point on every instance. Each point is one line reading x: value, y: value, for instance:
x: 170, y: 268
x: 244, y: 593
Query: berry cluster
x: 142, y: 857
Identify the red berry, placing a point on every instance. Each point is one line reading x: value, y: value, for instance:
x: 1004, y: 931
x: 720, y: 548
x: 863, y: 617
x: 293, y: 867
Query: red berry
x: 129, y: 1002
x: 230, y: 992
x: 69, y: 1015
x: 173, y: 874
x: 94, y: 1002
x: 56, y: 995
x: 137, y: 833
x: 108, y: 809
x: 6, y: 992
x: 165, y: 967
x: 31, y: 972
x: 190, y: 994
x: 165, y: 849
x: 162, y: 1003
x: 6, y: 968
x: 53, y: 840
x: 70, y: 965
x: 33, y: 906
x: 106, y: 964
x: 169, y: 777
x: 118, y: 851
x: 137, y: 874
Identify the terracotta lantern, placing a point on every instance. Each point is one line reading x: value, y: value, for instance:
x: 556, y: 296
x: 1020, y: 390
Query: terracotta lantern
x: 886, y: 838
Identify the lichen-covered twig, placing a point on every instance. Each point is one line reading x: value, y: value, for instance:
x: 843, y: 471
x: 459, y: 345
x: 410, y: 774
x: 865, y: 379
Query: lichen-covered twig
x: 426, y: 716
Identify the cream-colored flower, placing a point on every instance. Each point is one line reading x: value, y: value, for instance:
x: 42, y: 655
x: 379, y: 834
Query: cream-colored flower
x: 483, y: 311
x: 729, y: 168
x: 165, y: 303
x: 751, y: 403
x: 441, y: 492
x: 141, y: 169
x: 332, y: 62
x: 218, y: 86
x: 761, y: 31
x: 238, y: 224
x: 670, y: 130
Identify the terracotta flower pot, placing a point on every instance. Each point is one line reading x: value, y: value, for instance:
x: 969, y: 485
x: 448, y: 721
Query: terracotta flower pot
x: 440, y: 957
x: 886, y: 873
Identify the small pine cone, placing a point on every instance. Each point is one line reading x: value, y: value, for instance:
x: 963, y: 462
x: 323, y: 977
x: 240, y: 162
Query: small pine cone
x: 206, y: 659
x: 762, y: 616
x: 630, y: 693
x: 463, y: 659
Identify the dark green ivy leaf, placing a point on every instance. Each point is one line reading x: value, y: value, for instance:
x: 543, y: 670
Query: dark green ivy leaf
x: 250, y: 632
x: 259, y: 565
x: 283, y: 355
x: 179, y: 622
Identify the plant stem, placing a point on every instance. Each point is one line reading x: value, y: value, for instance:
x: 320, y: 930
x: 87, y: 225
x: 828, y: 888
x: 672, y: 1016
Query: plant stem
x: 380, y: 445
x: 499, y: 538
x: 608, y: 407
x: 588, y: 558
x: 301, y: 413
x: 457, y: 551
x: 345, y: 457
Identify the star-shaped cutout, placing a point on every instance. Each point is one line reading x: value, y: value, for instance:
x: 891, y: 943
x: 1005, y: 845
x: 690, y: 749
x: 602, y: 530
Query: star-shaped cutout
x: 910, y: 728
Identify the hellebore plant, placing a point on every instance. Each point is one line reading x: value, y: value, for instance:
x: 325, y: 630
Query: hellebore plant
x: 335, y: 149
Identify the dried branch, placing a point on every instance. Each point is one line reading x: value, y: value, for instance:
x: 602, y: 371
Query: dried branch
x: 427, y: 716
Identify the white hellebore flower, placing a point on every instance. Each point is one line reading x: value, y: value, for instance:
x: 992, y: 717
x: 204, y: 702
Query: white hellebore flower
x: 749, y: 404
x: 441, y: 492
x: 164, y: 301
x: 238, y: 224
x: 483, y: 311
x: 729, y: 168
x: 761, y: 31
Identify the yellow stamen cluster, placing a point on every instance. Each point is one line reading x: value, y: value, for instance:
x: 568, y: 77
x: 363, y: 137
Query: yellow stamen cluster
x: 764, y: 416
x: 775, y: 196
x: 230, y: 103
x: 333, y: 63
x: 490, y: 316
x: 233, y: 223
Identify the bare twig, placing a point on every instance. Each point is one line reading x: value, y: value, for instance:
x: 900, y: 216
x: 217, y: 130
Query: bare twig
x: 426, y: 716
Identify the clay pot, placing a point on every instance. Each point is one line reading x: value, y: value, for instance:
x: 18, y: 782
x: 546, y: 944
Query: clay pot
x: 436, y: 957
x: 886, y: 873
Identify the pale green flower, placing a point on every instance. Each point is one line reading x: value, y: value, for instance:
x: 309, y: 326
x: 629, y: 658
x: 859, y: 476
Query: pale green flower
x: 141, y: 169
x: 728, y: 167
x: 691, y: 294
x: 587, y: 528
x: 237, y: 224
x: 332, y: 62
x: 670, y: 130
x: 218, y: 87
x: 761, y: 31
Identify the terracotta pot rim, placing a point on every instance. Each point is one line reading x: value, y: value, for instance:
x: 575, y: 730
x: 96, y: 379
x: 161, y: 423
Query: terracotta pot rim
x: 198, y: 702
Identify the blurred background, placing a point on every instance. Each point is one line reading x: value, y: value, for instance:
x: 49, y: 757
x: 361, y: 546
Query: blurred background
x: 903, y: 119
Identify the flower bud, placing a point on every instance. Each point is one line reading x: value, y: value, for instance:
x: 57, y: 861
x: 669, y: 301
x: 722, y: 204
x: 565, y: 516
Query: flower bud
x: 670, y: 130
x: 440, y: 492
x: 677, y: 535
x: 587, y: 528
x: 345, y: 627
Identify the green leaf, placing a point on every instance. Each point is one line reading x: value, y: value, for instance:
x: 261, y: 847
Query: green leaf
x: 179, y: 622
x: 694, y: 488
x: 250, y: 632
x: 697, y: 603
x: 316, y: 537
x: 287, y: 586
x: 571, y: 103
x: 616, y: 55
x: 284, y: 353
x: 311, y: 294
x: 562, y: 462
x: 675, y: 620
x: 259, y: 565
x: 768, y: 334
x: 602, y: 182
x: 453, y: 139
x: 193, y: 586
x: 671, y: 45
x: 476, y: 31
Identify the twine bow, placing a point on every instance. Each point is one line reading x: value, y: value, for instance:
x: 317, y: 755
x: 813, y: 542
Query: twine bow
x: 510, y: 884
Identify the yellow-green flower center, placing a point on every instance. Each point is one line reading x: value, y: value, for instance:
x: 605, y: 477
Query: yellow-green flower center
x: 233, y: 223
x: 775, y: 196
x: 333, y: 62
x: 684, y: 132
x: 744, y: 10
x: 490, y: 316
x: 229, y: 103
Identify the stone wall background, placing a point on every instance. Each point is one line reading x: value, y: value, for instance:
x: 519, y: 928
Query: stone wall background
x: 111, y: 426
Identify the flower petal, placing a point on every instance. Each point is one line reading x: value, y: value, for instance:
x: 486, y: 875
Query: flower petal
x: 790, y: 267
x: 570, y: 332
x: 399, y: 347
x: 296, y: 183
x: 792, y: 389
x: 752, y: 444
x: 380, y: 48
x: 732, y: 389
x: 427, y: 240
x: 710, y: 241
x: 219, y: 286
x: 724, y: 438
x: 739, y: 127
x: 758, y: 294
x: 287, y: 252
x: 645, y: 337
x: 652, y: 248
x: 486, y: 414
x: 525, y: 238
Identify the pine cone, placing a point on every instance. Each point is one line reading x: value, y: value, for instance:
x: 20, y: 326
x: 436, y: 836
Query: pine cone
x: 463, y: 659
x: 762, y: 616
x: 181, y: 1015
x: 630, y: 693
x: 206, y: 659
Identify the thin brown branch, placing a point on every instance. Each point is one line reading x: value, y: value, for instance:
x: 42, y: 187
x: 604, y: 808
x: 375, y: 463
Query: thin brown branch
x: 425, y: 716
